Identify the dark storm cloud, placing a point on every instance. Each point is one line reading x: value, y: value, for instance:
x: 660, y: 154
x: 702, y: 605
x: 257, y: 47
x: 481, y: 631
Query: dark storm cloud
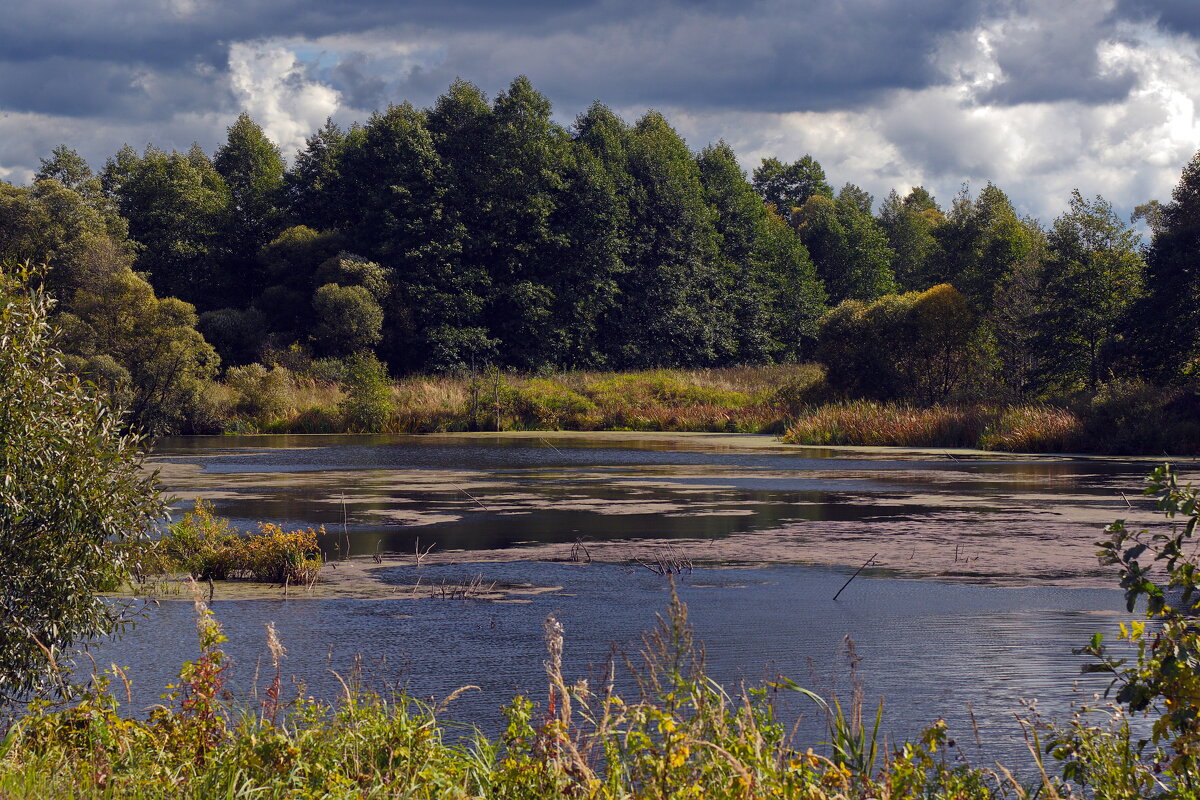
x: 1177, y: 16
x: 765, y: 56
x: 761, y: 55
x: 1057, y: 60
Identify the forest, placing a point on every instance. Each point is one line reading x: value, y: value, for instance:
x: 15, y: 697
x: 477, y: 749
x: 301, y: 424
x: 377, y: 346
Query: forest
x: 480, y: 237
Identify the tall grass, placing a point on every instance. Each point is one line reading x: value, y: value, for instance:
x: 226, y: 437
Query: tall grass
x: 789, y: 399
x: 1031, y: 428
x: 741, y: 399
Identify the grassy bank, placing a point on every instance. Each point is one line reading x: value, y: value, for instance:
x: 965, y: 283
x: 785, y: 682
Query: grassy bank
x: 793, y: 400
x: 743, y: 400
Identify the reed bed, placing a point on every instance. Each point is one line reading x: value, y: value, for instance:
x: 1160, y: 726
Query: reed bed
x: 1029, y: 428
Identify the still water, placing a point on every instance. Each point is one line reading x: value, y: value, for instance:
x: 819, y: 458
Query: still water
x: 983, y: 581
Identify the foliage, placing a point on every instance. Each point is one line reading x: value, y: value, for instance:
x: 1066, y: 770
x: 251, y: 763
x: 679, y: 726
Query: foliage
x: 74, y: 498
x: 1163, y: 679
x: 848, y: 247
x: 481, y: 231
x: 1093, y: 277
x: 262, y: 393
x: 208, y: 547
x: 349, y: 320
x: 911, y: 346
x: 1166, y: 323
x: 368, y: 402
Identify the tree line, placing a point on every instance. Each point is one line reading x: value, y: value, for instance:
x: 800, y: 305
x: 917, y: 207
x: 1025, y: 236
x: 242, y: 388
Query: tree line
x: 480, y: 232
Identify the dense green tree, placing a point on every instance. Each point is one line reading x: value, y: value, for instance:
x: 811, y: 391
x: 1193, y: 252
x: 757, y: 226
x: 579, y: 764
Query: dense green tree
x: 403, y: 221
x: 795, y: 295
x: 1093, y: 275
x: 598, y: 221
x: 909, y: 224
x: 739, y: 222
x: 671, y: 310
x: 252, y: 168
x: 979, y: 243
x: 584, y: 282
x: 73, y: 499
x: 176, y: 205
x: 789, y: 186
x: 856, y: 196
x: 772, y: 285
x: 847, y: 246
x: 522, y: 187
x: 1167, y: 321
x: 313, y: 189
x: 348, y: 320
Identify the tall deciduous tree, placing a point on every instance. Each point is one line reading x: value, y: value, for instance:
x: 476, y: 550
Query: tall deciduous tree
x: 789, y: 186
x: 253, y: 169
x: 671, y: 311
x: 1093, y: 274
x: 1167, y: 321
x: 909, y: 224
x: 847, y: 246
x: 979, y: 244
x: 176, y: 205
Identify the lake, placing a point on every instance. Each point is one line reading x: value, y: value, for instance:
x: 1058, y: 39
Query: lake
x: 982, y: 580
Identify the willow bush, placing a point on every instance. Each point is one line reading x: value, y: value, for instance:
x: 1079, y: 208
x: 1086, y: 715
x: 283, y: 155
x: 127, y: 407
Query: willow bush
x: 73, y: 497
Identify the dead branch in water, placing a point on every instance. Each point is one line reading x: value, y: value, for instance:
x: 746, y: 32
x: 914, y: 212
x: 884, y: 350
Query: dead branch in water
x: 866, y: 564
x: 668, y: 561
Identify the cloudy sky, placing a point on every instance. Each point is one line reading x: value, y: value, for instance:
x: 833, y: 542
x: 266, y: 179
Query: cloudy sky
x: 1039, y: 96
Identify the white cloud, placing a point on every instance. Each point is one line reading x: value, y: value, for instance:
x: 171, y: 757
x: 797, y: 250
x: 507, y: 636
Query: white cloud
x: 1129, y: 151
x: 271, y: 83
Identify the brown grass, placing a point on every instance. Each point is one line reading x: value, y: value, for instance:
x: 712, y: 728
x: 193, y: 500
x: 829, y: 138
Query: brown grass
x: 1030, y: 428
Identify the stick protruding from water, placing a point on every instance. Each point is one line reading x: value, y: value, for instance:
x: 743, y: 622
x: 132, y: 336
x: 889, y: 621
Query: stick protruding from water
x: 866, y: 564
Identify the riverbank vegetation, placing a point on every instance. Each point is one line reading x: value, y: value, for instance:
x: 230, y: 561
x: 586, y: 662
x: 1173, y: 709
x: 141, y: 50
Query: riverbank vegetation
x: 427, y: 249
x: 208, y: 547
x: 77, y: 514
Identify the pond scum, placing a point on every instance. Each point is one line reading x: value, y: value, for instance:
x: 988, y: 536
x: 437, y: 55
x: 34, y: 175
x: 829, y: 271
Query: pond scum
x: 682, y: 736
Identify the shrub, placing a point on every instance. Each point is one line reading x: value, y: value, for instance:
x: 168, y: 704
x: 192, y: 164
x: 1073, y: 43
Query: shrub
x: 1163, y: 678
x: 74, y: 499
x: 261, y: 393
x: 912, y: 346
x: 368, y: 402
x: 1136, y: 417
x: 349, y: 320
x: 209, y: 547
x: 543, y: 403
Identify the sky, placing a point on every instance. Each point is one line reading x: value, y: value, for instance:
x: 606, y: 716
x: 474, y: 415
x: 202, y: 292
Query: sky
x: 1038, y: 96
